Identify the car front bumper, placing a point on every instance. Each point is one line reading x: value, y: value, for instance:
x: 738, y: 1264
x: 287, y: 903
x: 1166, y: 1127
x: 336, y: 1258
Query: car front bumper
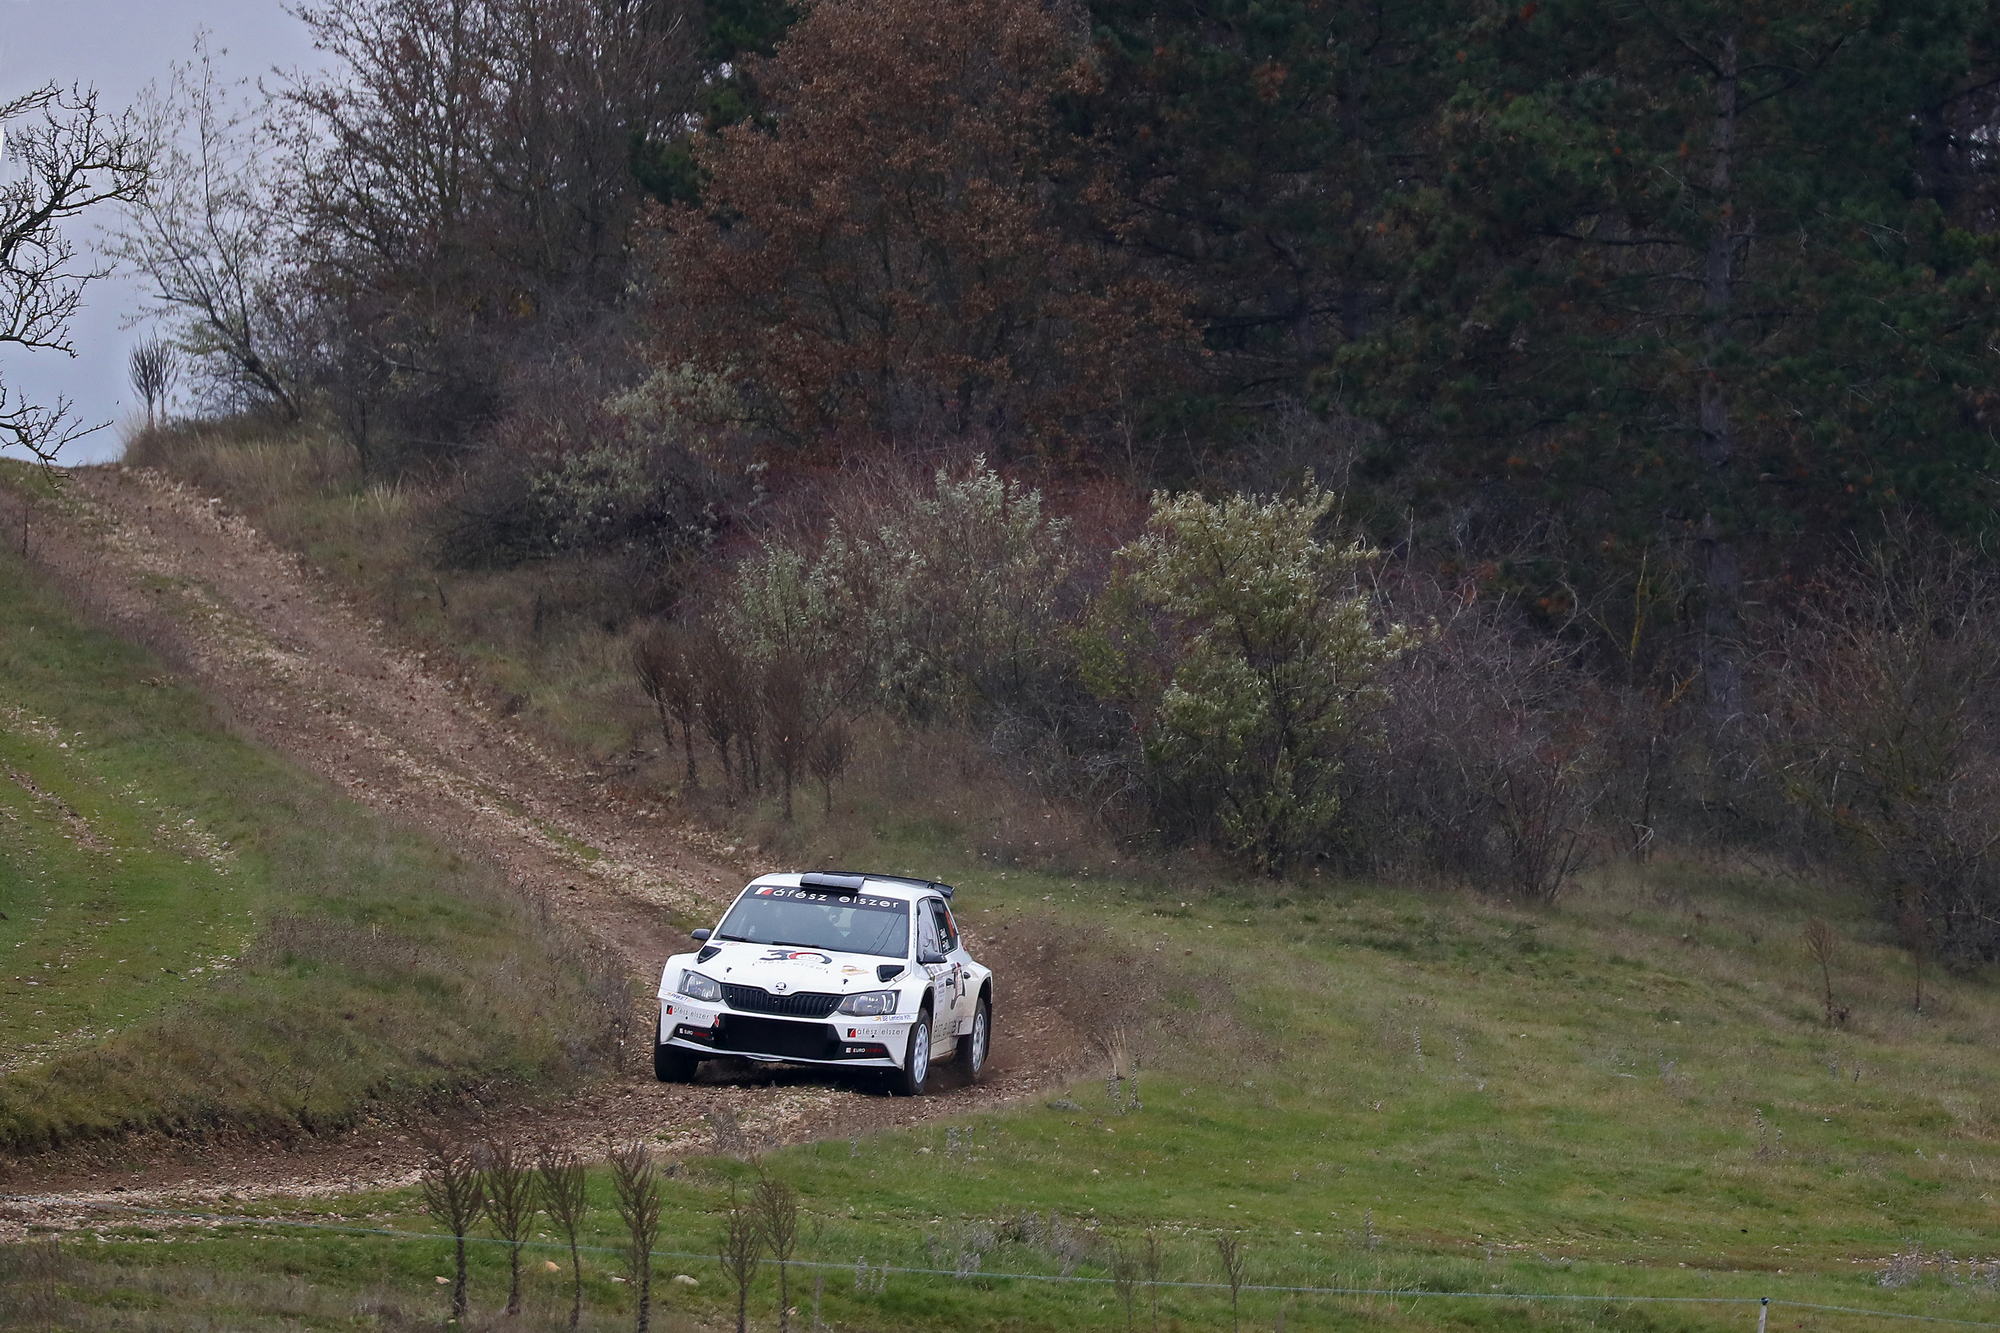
x: 879, y: 1043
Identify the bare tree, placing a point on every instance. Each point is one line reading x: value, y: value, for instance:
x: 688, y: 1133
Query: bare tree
x: 207, y: 236
x: 1151, y: 1257
x: 635, y: 1182
x: 507, y: 1180
x: 453, y: 1191
x: 742, y: 1250
x: 785, y: 698
x: 828, y: 759
x: 154, y: 367
x: 563, y: 1189
x: 721, y: 697
x: 777, y: 1206
x: 66, y: 157
x: 1819, y: 943
x: 1124, y: 1265
x: 1229, y: 1249
x: 460, y: 178
x: 663, y: 661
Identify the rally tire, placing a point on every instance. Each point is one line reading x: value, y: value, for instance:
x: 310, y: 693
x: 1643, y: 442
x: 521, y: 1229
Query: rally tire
x: 913, y: 1079
x: 674, y: 1064
x: 975, y: 1046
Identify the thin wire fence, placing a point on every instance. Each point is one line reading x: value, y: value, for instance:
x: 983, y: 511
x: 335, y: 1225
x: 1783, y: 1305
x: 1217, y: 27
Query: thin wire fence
x: 1762, y: 1304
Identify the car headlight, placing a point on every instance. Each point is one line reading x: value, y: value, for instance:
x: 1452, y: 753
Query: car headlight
x: 698, y: 987
x: 865, y: 1003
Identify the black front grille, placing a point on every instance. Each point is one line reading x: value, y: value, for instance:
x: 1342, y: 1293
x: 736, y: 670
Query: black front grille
x: 767, y: 1036
x: 800, y: 1004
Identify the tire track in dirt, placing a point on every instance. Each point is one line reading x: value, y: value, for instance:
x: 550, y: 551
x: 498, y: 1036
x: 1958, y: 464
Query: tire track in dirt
x: 313, y: 677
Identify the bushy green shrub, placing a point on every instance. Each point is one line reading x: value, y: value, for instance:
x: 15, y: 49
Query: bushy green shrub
x: 1240, y: 641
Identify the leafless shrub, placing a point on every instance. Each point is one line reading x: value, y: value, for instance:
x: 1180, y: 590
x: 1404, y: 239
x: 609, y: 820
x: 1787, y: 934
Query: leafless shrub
x: 1151, y: 1258
x: 1229, y: 1251
x: 1124, y: 1267
x: 1489, y: 767
x: 663, y: 660
x: 635, y: 1184
x: 1819, y: 943
x: 777, y: 1208
x: 507, y: 1184
x: 722, y: 701
x: 828, y: 758
x: 790, y: 718
x: 1915, y: 933
x: 562, y: 1188
x: 1884, y: 690
x: 453, y: 1189
x: 740, y: 1252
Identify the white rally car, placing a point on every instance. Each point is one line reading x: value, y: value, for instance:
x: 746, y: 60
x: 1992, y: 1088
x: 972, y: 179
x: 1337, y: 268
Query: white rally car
x: 857, y: 970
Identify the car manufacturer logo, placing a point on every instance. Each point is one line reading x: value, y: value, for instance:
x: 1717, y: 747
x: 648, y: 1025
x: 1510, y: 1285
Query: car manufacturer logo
x: 781, y: 987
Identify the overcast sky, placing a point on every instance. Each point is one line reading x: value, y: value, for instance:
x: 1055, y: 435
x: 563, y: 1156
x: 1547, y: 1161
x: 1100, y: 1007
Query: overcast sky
x: 120, y: 46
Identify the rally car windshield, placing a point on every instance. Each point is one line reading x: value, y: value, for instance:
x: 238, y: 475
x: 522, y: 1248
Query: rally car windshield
x: 844, y: 923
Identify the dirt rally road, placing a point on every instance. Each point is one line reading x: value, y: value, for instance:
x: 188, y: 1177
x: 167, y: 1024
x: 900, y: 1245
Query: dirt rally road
x: 319, y: 680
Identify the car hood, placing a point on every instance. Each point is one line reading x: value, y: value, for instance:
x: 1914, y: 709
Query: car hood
x: 786, y: 968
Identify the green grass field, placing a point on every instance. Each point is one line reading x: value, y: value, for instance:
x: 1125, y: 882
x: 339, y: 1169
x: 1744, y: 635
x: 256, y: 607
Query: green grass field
x: 1636, y: 1096
x: 198, y: 936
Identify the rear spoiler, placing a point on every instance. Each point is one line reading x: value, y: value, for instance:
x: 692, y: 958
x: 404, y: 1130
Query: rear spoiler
x: 850, y: 881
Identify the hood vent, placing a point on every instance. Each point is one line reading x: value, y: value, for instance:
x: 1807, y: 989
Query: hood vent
x: 708, y: 951
x: 888, y: 971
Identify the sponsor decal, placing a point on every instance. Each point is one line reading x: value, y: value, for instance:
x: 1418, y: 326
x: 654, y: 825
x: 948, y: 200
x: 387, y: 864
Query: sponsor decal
x: 795, y: 955
x: 832, y: 899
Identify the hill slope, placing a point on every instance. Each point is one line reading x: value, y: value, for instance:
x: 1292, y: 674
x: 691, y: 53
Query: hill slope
x: 1638, y: 1095
x: 198, y: 936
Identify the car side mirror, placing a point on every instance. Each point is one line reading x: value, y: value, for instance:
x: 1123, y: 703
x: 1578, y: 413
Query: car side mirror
x: 703, y: 934
x: 928, y: 956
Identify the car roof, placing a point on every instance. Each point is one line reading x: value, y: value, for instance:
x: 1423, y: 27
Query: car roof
x: 907, y: 887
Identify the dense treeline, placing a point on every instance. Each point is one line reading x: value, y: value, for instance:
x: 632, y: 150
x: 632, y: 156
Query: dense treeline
x: 1618, y: 381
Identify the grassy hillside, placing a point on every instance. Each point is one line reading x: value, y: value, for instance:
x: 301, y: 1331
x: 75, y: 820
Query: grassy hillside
x: 1636, y: 1097
x: 199, y: 936
x: 1637, y: 1094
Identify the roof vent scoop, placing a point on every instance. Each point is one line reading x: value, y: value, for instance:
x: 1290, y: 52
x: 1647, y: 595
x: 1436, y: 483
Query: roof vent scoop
x: 820, y: 879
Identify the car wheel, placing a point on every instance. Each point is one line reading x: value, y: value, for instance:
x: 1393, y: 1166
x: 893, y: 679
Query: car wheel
x: 673, y: 1064
x: 973, y: 1047
x: 912, y: 1079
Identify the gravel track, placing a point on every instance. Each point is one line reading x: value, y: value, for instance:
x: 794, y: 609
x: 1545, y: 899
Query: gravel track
x: 309, y: 674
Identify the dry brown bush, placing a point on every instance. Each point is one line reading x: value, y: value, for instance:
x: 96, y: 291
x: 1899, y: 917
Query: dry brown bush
x: 1883, y: 688
x: 1489, y: 768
